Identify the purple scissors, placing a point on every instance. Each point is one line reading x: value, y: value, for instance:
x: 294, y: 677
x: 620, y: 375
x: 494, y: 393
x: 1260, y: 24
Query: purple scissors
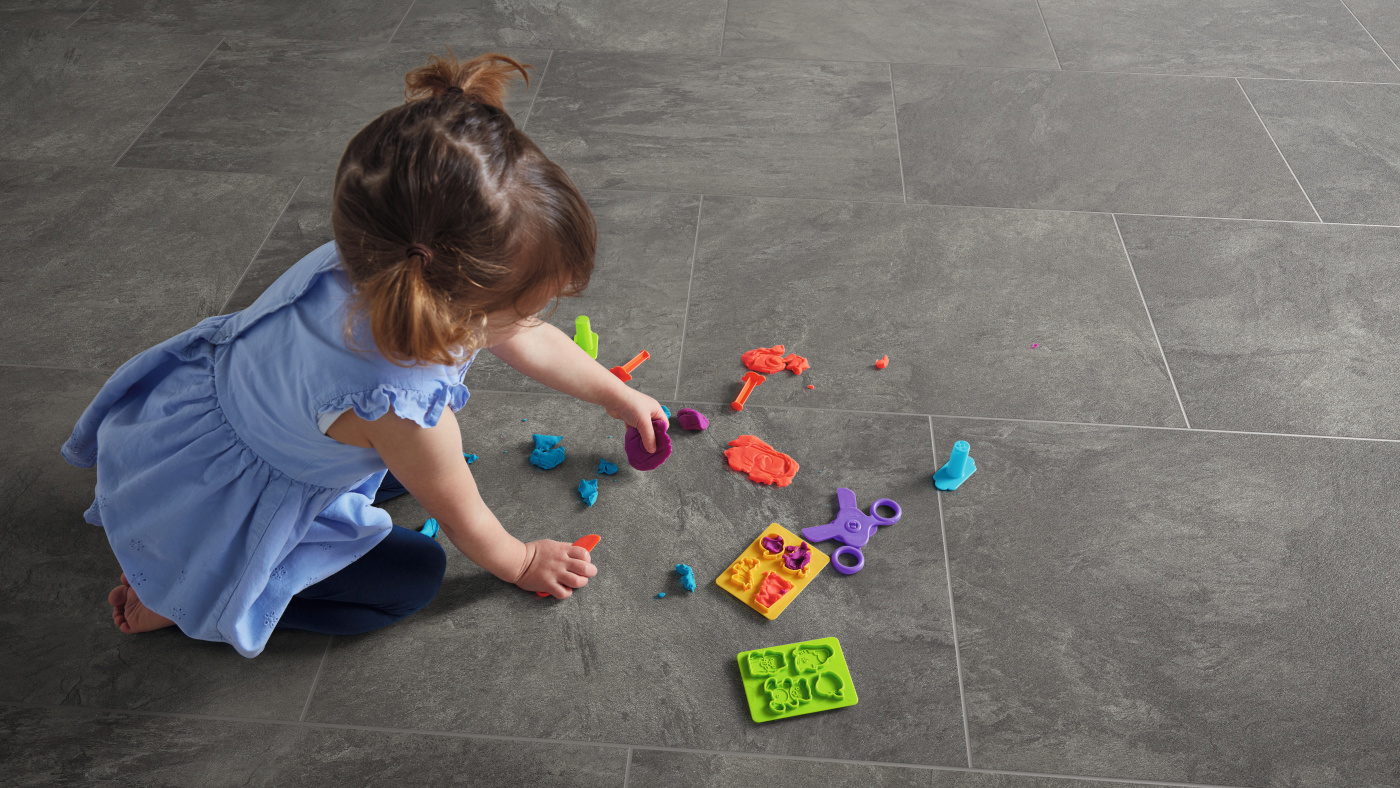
x: 852, y: 528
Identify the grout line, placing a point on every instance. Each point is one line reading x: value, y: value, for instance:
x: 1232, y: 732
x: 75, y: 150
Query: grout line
x: 627, y: 770
x: 1046, y: 25
x: 256, y: 252
x: 89, y: 8
x: 99, y: 370
x: 316, y: 679
x: 1280, y: 151
x: 1368, y: 32
x: 723, y: 28
x: 144, y: 128
x: 95, y: 710
x: 974, y: 417
x: 406, y: 12
x: 694, y: 249
x: 952, y: 615
x: 529, y: 113
x: 1150, y: 322
x: 898, y: 149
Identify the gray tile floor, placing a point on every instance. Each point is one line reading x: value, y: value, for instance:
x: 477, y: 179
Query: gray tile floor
x: 1142, y: 255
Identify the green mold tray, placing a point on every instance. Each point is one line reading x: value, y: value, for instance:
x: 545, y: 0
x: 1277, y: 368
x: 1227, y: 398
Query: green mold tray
x: 796, y: 679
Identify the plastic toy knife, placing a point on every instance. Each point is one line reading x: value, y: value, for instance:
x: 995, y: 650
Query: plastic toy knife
x: 588, y: 543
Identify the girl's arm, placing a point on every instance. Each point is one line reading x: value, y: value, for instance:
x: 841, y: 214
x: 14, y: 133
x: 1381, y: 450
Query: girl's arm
x: 548, y: 355
x: 430, y: 465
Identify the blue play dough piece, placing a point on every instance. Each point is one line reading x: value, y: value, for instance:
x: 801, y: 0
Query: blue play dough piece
x: 687, y: 577
x: 666, y: 410
x: 588, y: 491
x: 471, y: 458
x: 959, y: 466
x: 548, y: 453
x: 661, y: 595
x: 606, y: 467
x: 430, y: 528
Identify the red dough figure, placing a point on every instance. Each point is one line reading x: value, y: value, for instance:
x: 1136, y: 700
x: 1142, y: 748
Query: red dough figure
x: 796, y: 364
x: 765, y: 359
x: 883, y: 362
x: 763, y: 463
x: 771, y: 590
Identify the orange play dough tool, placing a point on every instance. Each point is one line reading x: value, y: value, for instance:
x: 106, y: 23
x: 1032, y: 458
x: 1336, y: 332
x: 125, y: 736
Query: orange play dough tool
x: 763, y: 463
x: 588, y: 543
x: 751, y: 380
x: 624, y: 372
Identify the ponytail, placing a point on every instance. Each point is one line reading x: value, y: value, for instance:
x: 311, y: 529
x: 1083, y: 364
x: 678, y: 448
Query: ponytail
x: 482, y: 79
x: 410, y: 322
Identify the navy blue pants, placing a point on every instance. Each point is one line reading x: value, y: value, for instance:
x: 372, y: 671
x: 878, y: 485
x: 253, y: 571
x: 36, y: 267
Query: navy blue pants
x: 394, y: 580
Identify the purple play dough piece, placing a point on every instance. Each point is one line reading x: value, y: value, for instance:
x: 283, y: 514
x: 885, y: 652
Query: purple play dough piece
x: 691, y: 419
x: 795, y: 557
x: 638, y: 457
x: 773, y: 543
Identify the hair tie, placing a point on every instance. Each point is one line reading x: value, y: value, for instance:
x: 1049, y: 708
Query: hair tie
x: 419, y: 250
x: 454, y: 89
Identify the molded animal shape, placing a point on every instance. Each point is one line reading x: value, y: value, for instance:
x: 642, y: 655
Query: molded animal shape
x: 741, y: 573
x: 797, y: 556
x: 773, y: 543
x: 796, y: 364
x: 807, y: 659
x: 765, y: 359
x: 784, y: 694
x: 771, y: 590
x: 831, y: 686
x: 763, y: 463
x: 767, y: 663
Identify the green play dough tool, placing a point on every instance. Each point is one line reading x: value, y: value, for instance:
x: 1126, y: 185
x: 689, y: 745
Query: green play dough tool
x: 584, y: 336
x: 796, y: 679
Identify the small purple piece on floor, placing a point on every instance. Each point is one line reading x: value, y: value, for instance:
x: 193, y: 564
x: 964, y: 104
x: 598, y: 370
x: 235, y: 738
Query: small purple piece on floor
x: 638, y: 457
x: 691, y: 419
x: 606, y: 467
x: 1033, y: 347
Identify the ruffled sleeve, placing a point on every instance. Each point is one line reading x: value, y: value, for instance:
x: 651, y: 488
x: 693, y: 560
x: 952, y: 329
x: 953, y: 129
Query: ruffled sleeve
x: 423, y: 403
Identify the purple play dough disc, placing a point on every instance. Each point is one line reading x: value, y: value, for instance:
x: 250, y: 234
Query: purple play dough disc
x: 691, y: 419
x: 638, y: 457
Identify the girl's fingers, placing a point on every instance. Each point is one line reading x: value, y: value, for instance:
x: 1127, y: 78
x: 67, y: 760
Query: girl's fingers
x: 582, y: 568
x: 561, y: 591
x: 575, y: 551
x: 648, y: 437
x: 573, y: 581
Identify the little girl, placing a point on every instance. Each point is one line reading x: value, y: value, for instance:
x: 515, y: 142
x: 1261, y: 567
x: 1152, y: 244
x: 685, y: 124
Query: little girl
x: 238, y: 462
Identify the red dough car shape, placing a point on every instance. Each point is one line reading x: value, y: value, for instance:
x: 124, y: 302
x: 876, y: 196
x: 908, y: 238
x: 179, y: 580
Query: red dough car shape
x: 763, y: 463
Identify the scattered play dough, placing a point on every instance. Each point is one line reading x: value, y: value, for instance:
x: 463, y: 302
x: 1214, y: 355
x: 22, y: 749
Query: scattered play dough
x: 691, y: 419
x: 687, y: 577
x: 763, y: 463
x: 796, y: 364
x: 588, y: 491
x: 606, y: 467
x: 637, y: 456
x: 471, y: 458
x: 883, y: 362
x: 666, y: 410
x: 548, y: 453
x: 765, y: 359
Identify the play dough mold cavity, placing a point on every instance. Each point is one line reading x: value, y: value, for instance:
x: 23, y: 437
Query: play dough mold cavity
x: 799, y: 678
x: 772, y: 571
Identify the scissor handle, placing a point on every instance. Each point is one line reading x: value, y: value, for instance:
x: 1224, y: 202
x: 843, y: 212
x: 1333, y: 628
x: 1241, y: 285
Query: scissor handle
x: 846, y: 549
x: 885, y: 520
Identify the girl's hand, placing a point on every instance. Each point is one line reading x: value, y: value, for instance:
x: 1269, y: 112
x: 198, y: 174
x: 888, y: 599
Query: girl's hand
x: 556, y: 568
x: 636, y: 409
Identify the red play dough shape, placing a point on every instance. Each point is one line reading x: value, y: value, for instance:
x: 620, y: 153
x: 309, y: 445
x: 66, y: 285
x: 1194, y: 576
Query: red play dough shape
x: 765, y: 359
x: 796, y: 364
x: 763, y: 463
x: 883, y: 362
x: 771, y: 590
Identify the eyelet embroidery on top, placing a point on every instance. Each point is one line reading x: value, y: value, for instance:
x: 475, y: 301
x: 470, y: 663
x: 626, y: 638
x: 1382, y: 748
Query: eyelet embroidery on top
x: 137, y: 578
x: 137, y: 545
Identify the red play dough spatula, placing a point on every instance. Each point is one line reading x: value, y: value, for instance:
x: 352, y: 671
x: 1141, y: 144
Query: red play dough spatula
x: 588, y: 543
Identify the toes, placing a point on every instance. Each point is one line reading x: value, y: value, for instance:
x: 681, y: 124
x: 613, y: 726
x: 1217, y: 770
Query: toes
x: 117, y: 597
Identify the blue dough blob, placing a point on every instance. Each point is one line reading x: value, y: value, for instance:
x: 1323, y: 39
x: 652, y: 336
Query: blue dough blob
x: 430, y: 528
x: 666, y: 410
x: 471, y: 458
x: 548, y: 453
x: 687, y: 577
x: 606, y: 467
x: 588, y: 491
x: 661, y: 595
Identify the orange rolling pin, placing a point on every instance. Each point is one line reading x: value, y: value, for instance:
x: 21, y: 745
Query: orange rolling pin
x: 588, y: 543
x: 624, y: 372
x: 752, y: 380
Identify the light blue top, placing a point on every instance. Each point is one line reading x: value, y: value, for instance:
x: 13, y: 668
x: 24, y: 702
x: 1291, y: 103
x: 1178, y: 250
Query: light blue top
x: 220, y: 496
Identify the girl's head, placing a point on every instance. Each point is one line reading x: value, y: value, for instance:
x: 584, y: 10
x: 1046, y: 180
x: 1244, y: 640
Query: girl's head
x: 451, y: 223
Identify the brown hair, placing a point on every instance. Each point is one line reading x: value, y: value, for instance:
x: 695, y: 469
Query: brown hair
x: 444, y: 211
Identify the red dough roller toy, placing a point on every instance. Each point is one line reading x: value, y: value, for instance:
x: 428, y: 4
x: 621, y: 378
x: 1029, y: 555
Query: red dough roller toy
x: 624, y: 372
x: 852, y: 528
x: 588, y: 543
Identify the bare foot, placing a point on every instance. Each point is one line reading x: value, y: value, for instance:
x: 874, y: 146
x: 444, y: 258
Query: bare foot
x: 129, y: 614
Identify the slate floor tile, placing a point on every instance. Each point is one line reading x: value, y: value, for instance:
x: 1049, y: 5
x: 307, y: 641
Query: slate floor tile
x: 729, y: 126
x: 55, y: 571
x: 662, y: 769
x: 677, y: 27
x: 955, y: 297
x: 1381, y: 18
x: 616, y: 664
x: 1006, y: 33
x: 288, y: 107
x: 1299, y: 39
x: 100, y: 264
x: 1128, y: 143
x: 1342, y: 143
x: 1275, y: 327
x: 1170, y: 605
x: 54, y: 748
x: 41, y: 14
x: 83, y: 97
x: 357, y: 20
